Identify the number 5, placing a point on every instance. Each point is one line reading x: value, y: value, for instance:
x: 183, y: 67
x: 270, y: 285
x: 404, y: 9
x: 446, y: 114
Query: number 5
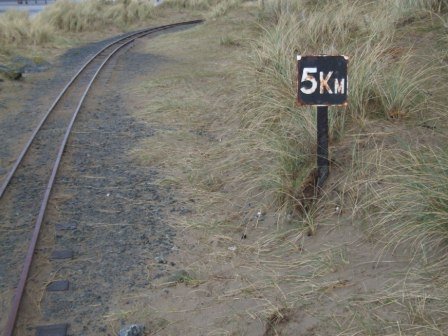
x: 307, y: 77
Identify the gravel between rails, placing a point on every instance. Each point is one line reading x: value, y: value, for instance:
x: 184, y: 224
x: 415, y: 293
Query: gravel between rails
x: 116, y: 208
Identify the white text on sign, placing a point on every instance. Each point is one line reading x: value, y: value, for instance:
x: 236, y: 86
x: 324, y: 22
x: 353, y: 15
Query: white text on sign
x: 307, y: 76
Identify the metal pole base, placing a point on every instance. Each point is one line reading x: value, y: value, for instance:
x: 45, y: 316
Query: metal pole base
x: 322, y: 146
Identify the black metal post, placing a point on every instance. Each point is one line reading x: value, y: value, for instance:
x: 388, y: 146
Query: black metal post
x: 322, y: 145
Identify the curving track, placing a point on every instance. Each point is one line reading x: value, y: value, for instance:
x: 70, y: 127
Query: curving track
x: 32, y: 176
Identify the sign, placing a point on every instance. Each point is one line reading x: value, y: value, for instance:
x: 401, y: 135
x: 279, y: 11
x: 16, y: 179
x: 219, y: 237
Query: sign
x: 322, y: 80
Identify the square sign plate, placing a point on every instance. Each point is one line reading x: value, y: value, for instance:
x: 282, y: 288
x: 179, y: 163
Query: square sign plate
x: 322, y: 80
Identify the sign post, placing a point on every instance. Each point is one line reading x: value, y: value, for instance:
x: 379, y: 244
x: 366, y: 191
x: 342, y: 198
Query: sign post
x: 322, y: 82
x: 323, y: 163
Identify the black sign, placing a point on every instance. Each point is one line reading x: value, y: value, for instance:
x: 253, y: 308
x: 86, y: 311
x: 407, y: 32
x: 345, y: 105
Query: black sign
x: 322, y: 80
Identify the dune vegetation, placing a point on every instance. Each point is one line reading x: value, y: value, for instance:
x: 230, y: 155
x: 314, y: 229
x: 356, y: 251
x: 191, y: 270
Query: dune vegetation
x: 60, y: 24
x: 70, y: 16
x: 390, y: 78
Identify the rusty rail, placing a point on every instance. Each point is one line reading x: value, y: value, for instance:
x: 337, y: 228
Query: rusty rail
x: 12, y: 317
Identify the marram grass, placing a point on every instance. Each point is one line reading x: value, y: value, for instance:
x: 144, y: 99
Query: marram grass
x: 18, y: 29
x: 386, y: 81
x: 68, y: 16
x: 412, y: 206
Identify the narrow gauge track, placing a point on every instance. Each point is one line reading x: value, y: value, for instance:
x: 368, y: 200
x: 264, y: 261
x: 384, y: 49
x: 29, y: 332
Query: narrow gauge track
x: 33, y: 173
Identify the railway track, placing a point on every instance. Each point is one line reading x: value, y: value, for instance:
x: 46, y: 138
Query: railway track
x: 31, y: 178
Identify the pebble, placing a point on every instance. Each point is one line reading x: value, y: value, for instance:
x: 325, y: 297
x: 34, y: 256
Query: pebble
x: 132, y: 330
x: 161, y: 260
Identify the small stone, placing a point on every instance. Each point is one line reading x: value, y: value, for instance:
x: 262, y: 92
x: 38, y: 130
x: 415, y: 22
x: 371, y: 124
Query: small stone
x: 132, y: 330
x: 161, y: 260
x: 158, y: 275
x: 52, y: 330
x: 58, y: 286
x: 61, y: 254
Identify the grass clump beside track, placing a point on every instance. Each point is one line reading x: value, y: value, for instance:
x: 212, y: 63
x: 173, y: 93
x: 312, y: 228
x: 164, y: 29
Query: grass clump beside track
x: 18, y: 28
x: 70, y: 16
x: 213, y: 8
x: 194, y: 4
x: 66, y: 16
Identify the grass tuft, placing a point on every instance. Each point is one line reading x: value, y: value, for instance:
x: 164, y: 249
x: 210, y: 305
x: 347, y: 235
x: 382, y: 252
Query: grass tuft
x: 412, y: 207
x: 69, y: 16
x: 18, y: 28
x: 222, y: 8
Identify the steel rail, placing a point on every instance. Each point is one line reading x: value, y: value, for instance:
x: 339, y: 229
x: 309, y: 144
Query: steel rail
x: 12, y: 317
x: 25, y: 148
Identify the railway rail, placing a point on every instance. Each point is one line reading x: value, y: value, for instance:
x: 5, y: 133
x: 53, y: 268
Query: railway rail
x: 40, y: 158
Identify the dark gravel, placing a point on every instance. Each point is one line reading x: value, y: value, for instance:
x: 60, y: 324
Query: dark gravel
x: 18, y: 207
x: 106, y: 209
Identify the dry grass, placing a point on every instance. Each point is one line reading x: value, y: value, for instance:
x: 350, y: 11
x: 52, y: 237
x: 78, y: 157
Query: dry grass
x: 17, y: 28
x: 195, y: 4
x: 411, y: 207
x: 69, y: 16
x: 223, y: 7
x: 66, y: 16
